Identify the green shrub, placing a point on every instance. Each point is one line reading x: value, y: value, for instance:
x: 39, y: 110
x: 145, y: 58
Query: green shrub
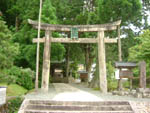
x: 25, y: 79
x: 8, y: 50
x: 112, y: 82
x: 20, y: 76
x: 14, y: 105
x: 74, y: 69
x: 6, y: 78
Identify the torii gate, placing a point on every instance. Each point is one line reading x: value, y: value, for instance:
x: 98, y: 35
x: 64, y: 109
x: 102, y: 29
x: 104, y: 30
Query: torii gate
x: 100, y: 40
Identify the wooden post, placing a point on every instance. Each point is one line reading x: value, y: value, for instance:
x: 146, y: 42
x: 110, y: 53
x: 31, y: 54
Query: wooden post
x: 102, y: 62
x: 119, y: 45
x: 67, y: 60
x: 87, y: 61
x: 130, y: 84
x: 38, y: 49
x: 46, y: 61
x: 131, y: 81
x: 120, y: 57
x: 120, y: 81
x: 142, y: 66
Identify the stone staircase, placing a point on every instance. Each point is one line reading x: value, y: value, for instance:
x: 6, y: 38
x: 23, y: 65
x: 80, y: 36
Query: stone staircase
x: 46, y: 106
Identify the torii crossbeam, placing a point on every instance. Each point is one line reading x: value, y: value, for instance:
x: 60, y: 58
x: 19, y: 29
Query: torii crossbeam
x: 100, y: 40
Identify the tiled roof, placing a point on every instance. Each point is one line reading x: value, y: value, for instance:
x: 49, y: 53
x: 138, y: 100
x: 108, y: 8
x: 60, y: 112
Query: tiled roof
x: 125, y: 64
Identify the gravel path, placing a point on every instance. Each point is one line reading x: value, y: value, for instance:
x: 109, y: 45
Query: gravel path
x: 141, y: 107
x: 78, y: 92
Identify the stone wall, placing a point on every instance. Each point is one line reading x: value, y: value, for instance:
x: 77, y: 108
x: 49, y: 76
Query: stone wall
x: 138, y: 93
x: 2, y: 96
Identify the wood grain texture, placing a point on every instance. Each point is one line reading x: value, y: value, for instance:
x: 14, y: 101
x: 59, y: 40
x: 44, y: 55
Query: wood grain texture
x: 102, y: 62
x: 80, y: 40
x: 46, y: 61
x: 81, y: 28
x: 142, y: 74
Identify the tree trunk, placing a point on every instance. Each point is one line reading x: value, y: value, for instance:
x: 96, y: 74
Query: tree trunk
x: 1, y: 14
x: 67, y: 61
x: 17, y: 24
x: 87, y: 59
x: 95, y: 81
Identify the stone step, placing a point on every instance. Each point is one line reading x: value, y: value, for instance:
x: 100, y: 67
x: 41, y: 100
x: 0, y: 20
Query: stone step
x: 45, y: 102
x: 67, y: 105
x: 34, y: 111
x: 47, y: 106
x: 79, y: 108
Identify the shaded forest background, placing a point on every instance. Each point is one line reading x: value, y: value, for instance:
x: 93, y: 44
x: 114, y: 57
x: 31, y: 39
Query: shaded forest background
x: 18, y: 53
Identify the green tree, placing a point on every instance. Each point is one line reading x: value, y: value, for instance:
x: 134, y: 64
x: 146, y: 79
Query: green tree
x: 16, y: 13
x: 126, y: 10
x: 49, y: 16
x: 26, y: 33
x: 141, y: 51
x: 49, y: 13
x: 8, y: 50
x: 68, y: 10
x: 127, y: 43
x: 58, y: 52
x: 113, y: 10
x: 145, y: 14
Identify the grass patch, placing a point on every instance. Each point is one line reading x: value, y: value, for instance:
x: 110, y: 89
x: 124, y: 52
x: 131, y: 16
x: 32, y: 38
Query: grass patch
x: 112, y: 85
x: 14, y: 89
x: 97, y: 89
x: 3, y: 84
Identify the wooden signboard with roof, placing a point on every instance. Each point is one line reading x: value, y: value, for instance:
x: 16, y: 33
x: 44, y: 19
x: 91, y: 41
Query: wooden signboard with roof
x: 125, y: 73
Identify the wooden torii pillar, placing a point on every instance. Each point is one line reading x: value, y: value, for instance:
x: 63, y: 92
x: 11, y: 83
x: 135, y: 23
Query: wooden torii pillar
x: 46, y: 61
x: 101, y: 40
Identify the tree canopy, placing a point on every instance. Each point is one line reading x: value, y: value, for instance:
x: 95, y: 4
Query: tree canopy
x: 8, y: 49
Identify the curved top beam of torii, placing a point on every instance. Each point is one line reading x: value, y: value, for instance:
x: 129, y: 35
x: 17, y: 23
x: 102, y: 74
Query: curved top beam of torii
x: 81, y: 28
